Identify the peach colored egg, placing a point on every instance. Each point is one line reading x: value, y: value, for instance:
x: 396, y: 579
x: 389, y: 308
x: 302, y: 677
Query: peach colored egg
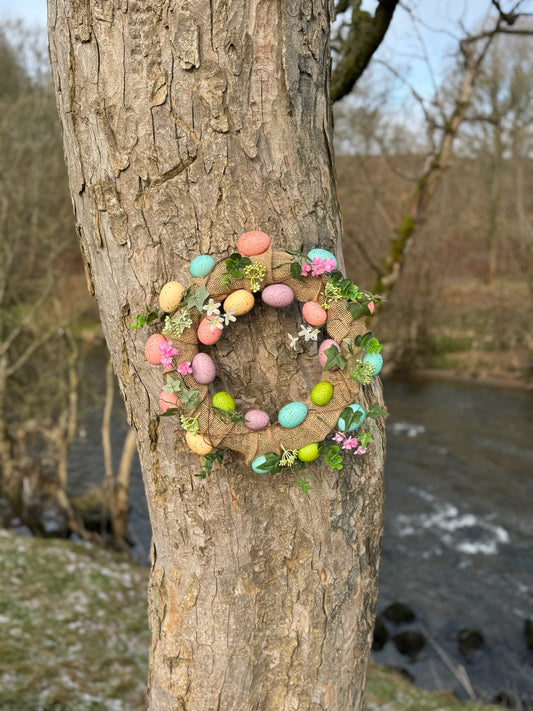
x: 240, y: 301
x: 168, y: 401
x: 170, y: 296
x: 253, y: 243
x: 314, y: 314
x: 151, y: 349
x: 197, y: 443
x: 203, y: 368
x: 256, y: 419
x: 278, y: 295
x: 207, y: 336
x: 322, y: 358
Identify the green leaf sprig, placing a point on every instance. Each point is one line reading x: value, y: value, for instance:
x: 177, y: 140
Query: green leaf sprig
x: 195, y: 297
x: 228, y: 416
x: 235, y: 264
x: 368, y: 343
x: 209, y: 460
x: 143, y: 320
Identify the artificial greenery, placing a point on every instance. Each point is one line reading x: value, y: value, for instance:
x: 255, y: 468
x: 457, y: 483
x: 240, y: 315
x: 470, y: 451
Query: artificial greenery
x: 255, y: 272
x: 195, y: 297
x: 190, y: 424
x: 228, y: 416
x: 362, y: 372
x: 216, y: 456
x: 177, y: 323
x: 235, y: 265
x: 368, y: 343
x: 143, y: 320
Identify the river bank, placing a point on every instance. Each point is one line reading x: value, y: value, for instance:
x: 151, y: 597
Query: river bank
x: 74, y: 634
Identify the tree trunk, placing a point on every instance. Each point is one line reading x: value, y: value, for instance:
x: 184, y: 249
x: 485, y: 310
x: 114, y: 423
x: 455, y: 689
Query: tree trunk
x: 185, y: 125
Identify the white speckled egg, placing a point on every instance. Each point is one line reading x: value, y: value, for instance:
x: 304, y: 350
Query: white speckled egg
x: 207, y: 336
x: 198, y: 444
x: 170, y: 296
x: 151, y: 348
x: 292, y: 414
x: 201, y: 266
x: 250, y: 244
x: 314, y: 314
x: 322, y: 357
x: 240, y: 301
x: 375, y: 359
x: 322, y: 253
x: 256, y: 419
x: 278, y: 295
x: 203, y: 369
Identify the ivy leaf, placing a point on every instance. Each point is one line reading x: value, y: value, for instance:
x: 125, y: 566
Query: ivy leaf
x: 196, y: 298
x: 349, y: 345
x: 350, y: 417
x: 356, y: 309
x: 170, y: 412
x: 270, y: 465
x: 141, y: 321
x: 189, y: 398
x: 334, y: 357
x: 228, y: 416
x: 209, y: 460
x: 305, y: 486
x: 296, y: 271
x: 172, y: 385
x: 364, y: 439
x: 374, y: 411
x: 373, y: 346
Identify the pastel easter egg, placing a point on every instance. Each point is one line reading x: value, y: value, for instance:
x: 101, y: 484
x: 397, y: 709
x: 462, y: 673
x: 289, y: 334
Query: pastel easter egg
x: 168, y: 401
x: 250, y: 244
x: 322, y: 254
x: 151, y: 348
x: 278, y: 295
x: 256, y: 419
x: 261, y: 459
x: 170, y: 296
x: 206, y: 335
x: 341, y: 423
x: 203, y: 369
x: 309, y: 453
x: 223, y: 401
x: 198, y: 444
x: 314, y: 314
x: 201, y: 266
x: 322, y: 357
x: 292, y: 414
x: 240, y: 301
x: 322, y: 393
x: 375, y: 359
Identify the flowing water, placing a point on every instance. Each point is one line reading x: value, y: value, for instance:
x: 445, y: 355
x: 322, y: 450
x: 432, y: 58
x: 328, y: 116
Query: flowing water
x: 458, y: 533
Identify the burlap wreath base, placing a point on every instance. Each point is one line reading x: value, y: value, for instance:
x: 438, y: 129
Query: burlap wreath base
x: 320, y: 420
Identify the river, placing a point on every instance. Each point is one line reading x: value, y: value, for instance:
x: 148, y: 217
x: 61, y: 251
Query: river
x: 458, y: 528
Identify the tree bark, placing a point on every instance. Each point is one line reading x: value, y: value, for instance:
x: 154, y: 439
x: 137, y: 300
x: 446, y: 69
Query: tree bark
x: 185, y: 125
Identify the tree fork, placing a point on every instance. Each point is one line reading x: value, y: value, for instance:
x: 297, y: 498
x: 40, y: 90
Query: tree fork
x: 184, y: 126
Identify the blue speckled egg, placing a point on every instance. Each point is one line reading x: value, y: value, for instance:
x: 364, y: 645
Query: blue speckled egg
x: 356, y: 408
x: 201, y: 266
x: 261, y: 459
x: 375, y: 359
x: 322, y: 253
x: 292, y: 414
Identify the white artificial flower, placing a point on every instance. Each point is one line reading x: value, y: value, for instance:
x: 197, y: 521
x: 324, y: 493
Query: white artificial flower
x: 309, y: 333
x: 212, y: 308
x: 229, y: 317
x: 217, y: 322
x: 293, y: 340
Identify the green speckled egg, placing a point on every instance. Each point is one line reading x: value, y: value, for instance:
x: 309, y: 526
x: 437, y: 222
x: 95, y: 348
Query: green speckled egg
x: 201, y: 266
x: 292, y: 414
x: 375, y: 359
x: 223, y: 401
x: 322, y: 393
x: 309, y: 453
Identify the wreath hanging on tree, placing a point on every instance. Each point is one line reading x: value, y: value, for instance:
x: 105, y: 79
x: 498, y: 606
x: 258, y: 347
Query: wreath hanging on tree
x: 334, y: 310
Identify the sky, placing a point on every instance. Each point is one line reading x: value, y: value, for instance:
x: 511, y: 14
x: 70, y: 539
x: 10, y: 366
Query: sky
x: 31, y: 11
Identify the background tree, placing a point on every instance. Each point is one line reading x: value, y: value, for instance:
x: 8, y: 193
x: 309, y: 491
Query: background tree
x: 184, y: 127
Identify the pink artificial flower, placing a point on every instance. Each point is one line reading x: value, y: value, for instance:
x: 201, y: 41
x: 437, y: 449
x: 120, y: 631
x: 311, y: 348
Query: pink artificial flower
x: 339, y: 437
x: 329, y: 265
x: 306, y: 268
x: 167, y: 351
x: 184, y: 368
x: 360, y: 450
x: 318, y: 266
x: 350, y: 443
x: 371, y: 306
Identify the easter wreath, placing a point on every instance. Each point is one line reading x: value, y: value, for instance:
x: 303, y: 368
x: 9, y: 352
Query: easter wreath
x: 350, y: 356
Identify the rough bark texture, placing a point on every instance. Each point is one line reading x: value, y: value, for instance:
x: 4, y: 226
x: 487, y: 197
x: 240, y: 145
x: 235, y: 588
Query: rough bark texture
x: 185, y: 125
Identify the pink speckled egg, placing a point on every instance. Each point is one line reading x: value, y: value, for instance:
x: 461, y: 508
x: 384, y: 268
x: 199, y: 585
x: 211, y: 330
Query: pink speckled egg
x: 322, y: 358
x: 314, y: 314
x: 278, y: 295
x: 203, y: 368
x: 240, y: 301
x: 253, y: 243
x: 256, y: 419
x: 168, y: 401
x: 207, y: 336
x: 151, y: 349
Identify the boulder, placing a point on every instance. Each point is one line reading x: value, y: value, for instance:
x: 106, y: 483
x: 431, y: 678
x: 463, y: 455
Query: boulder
x: 470, y: 641
x: 381, y: 635
x: 399, y: 613
x: 409, y: 642
x: 528, y: 631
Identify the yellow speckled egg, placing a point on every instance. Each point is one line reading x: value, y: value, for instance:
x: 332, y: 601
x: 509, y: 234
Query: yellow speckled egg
x: 240, y: 301
x: 170, y: 295
x: 314, y: 314
x: 197, y: 443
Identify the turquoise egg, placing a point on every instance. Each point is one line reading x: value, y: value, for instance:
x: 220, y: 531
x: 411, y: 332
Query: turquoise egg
x: 292, y: 414
x: 322, y: 253
x: 375, y: 359
x: 257, y: 463
x: 202, y: 265
x: 356, y: 408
